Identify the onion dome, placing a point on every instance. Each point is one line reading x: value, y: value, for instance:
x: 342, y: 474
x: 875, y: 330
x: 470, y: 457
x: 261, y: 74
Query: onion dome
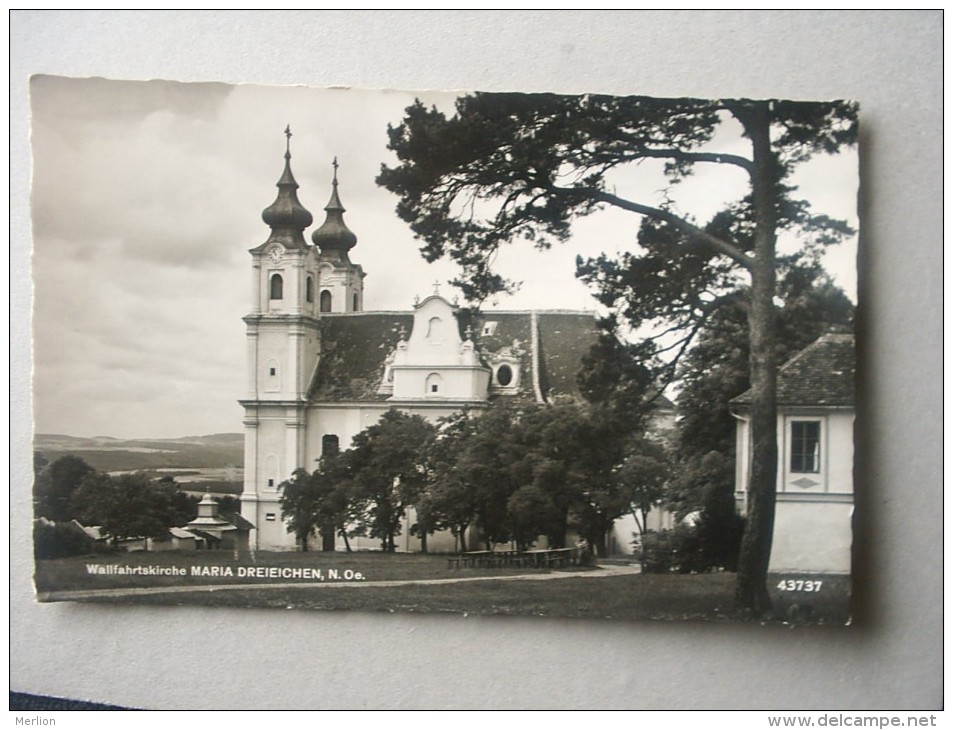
x: 286, y: 216
x: 334, y: 235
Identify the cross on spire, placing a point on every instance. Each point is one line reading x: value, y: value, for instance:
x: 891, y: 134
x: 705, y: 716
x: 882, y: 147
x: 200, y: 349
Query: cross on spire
x: 436, y: 287
x: 288, y: 140
x: 335, y: 166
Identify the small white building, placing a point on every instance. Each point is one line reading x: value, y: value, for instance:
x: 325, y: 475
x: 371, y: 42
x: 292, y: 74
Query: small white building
x: 815, y: 487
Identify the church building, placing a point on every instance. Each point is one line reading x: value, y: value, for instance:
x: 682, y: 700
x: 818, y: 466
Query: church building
x: 321, y: 369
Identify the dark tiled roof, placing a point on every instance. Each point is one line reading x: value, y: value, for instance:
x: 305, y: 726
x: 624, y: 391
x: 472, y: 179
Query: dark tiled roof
x: 238, y: 521
x: 354, y: 347
x: 512, y: 336
x: 822, y: 374
x: 564, y: 338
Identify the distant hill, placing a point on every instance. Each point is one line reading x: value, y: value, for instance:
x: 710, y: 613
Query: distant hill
x: 216, y: 451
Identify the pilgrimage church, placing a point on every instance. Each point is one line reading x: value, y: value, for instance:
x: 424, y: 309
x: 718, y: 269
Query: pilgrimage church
x: 321, y: 369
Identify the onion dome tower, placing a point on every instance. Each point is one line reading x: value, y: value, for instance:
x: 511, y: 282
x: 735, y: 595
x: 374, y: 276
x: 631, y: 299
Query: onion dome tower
x: 341, y: 282
x: 286, y: 216
x: 334, y: 238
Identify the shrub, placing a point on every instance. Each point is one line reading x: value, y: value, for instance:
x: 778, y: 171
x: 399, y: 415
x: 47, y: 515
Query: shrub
x: 678, y: 550
x: 60, y: 540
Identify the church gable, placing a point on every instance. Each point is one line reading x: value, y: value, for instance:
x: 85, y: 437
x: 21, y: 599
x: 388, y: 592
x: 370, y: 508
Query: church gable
x: 436, y: 363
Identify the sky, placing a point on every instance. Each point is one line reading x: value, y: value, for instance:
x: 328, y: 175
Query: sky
x: 147, y: 195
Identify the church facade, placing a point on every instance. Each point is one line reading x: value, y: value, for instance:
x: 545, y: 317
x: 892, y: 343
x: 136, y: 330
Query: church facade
x: 321, y: 369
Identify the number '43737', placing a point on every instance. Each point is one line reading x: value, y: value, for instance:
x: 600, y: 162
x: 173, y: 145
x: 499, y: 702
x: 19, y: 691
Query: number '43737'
x: 806, y: 586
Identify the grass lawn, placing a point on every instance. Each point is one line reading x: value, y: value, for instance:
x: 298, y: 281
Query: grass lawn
x: 669, y: 597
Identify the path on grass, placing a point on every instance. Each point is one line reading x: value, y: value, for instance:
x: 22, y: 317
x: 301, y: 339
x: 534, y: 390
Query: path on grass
x: 603, y: 571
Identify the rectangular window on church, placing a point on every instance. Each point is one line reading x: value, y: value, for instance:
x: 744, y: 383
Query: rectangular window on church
x: 269, y: 517
x: 806, y: 446
x: 330, y: 445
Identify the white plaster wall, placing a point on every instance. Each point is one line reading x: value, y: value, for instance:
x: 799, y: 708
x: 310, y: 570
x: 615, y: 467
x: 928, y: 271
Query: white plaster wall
x: 840, y: 476
x: 811, y: 537
x: 460, y: 383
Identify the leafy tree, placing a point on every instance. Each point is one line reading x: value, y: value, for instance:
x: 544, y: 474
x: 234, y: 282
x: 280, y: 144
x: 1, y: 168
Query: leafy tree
x: 299, y: 506
x: 509, y: 166
x: 485, y: 467
x: 617, y: 379
x: 386, y: 465
x: 59, y: 540
x: 317, y: 503
x: 531, y: 513
x: 184, y: 507
x: 56, y: 484
x: 126, y: 506
x: 448, y: 501
x: 643, y: 476
x: 620, y: 386
x: 229, y: 505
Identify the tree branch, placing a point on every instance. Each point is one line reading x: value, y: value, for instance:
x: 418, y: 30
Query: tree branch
x: 682, y: 156
x: 720, y: 246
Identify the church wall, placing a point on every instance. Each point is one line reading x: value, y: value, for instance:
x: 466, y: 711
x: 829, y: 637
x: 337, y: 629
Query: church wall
x: 465, y: 383
x: 271, y: 531
x: 347, y: 420
x: 272, y: 439
x: 273, y: 355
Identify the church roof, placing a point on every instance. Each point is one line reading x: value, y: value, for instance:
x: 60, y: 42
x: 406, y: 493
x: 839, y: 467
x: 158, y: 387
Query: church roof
x: 355, y: 347
x: 822, y: 374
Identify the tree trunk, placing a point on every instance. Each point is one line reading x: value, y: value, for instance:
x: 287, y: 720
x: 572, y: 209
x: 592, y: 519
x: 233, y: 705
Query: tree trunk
x: 751, y: 594
x: 423, y: 541
x: 347, y: 543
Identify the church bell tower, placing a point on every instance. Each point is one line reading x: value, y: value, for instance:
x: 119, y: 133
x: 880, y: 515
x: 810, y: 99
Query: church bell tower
x: 283, y: 342
x: 340, y: 282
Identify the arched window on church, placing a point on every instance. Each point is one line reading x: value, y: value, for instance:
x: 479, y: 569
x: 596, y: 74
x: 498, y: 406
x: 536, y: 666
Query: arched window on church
x: 434, y: 384
x: 309, y: 289
x: 325, y: 301
x: 277, y: 287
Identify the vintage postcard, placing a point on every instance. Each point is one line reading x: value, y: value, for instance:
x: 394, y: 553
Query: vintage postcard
x: 531, y: 354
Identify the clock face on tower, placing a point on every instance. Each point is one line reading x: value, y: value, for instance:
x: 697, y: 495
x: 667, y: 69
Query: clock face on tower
x: 276, y: 252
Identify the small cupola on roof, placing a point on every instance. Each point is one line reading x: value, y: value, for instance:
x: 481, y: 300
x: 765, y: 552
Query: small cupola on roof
x: 286, y: 216
x: 334, y: 237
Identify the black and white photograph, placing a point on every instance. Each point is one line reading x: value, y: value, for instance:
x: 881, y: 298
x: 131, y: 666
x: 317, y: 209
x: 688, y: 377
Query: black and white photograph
x: 553, y: 355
